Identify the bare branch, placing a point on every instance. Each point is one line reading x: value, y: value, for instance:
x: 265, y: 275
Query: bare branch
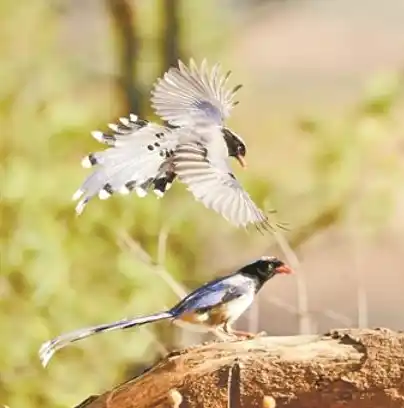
x: 124, y: 240
x: 302, y: 295
x: 162, y: 350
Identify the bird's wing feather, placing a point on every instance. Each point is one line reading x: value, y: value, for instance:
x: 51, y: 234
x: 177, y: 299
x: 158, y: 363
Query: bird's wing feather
x: 190, y: 96
x: 215, y: 293
x: 136, y: 153
x: 211, y: 181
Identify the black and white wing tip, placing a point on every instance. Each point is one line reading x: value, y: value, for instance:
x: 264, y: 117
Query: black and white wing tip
x: 265, y: 225
x: 217, y: 188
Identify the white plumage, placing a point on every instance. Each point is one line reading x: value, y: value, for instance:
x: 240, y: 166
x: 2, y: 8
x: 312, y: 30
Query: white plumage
x: 143, y: 155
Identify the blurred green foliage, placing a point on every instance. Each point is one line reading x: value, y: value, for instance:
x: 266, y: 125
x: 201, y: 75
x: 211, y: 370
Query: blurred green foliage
x: 60, y: 272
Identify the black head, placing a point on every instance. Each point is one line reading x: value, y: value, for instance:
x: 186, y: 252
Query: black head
x: 235, y: 145
x: 265, y: 268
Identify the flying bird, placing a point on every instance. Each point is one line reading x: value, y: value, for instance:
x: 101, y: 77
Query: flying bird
x: 213, y: 307
x: 194, y: 147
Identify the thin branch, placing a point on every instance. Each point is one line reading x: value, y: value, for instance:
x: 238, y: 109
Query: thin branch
x: 302, y: 294
x: 323, y: 220
x: 162, y: 245
x: 163, y: 351
x: 338, y: 317
x: 331, y: 314
x: 360, y: 275
x: 124, y: 240
x: 281, y: 304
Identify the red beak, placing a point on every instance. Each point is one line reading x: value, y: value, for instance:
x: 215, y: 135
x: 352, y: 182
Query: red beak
x: 284, y: 269
x: 241, y: 160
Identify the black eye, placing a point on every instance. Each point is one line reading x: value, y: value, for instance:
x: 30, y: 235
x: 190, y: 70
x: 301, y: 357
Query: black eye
x: 241, y: 150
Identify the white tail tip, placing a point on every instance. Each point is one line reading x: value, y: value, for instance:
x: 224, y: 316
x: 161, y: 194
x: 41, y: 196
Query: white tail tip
x: 124, y: 121
x: 77, y: 194
x: 45, y: 353
x: 80, y: 207
x: 113, y: 127
x: 103, y: 194
x: 141, y: 192
x: 124, y: 190
x: 86, y: 163
x: 97, y: 135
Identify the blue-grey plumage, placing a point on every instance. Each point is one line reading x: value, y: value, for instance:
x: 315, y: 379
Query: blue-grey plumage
x: 194, y: 148
x: 212, y: 308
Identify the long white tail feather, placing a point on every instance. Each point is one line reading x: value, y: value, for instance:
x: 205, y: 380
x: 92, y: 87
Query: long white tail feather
x: 49, y: 348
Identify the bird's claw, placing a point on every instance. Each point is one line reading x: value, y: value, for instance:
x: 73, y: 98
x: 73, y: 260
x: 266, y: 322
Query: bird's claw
x: 250, y: 336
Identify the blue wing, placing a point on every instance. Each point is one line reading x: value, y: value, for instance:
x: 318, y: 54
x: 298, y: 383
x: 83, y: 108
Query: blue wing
x: 214, y: 293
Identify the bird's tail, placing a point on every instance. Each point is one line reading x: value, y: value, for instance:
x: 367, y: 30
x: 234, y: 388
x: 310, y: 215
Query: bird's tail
x: 134, y: 161
x: 50, y: 347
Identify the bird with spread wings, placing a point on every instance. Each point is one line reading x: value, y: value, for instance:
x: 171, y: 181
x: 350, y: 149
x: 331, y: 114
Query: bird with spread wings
x: 194, y: 148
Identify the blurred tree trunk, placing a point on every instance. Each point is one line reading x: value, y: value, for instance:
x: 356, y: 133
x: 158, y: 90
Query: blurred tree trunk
x: 351, y: 368
x: 123, y: 13
x: 170, y: 33
x: 170, y: 37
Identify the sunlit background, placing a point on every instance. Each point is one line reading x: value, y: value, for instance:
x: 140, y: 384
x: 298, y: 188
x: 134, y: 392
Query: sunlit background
x: 322, y: 113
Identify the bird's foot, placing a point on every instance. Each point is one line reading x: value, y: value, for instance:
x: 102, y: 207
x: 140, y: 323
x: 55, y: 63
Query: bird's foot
x: 248, y: 335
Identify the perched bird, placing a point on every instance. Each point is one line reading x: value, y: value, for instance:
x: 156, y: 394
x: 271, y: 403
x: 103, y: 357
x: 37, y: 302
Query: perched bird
x: 214, y: 307
x: 194, y: 147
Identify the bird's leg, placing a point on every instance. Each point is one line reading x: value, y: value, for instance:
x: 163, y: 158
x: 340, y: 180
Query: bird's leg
x: 223, y: 334
x: 239, y: 333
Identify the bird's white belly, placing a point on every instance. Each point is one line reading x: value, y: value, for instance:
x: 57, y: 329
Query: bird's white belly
x: 238, y: 306
x: 231, y: 311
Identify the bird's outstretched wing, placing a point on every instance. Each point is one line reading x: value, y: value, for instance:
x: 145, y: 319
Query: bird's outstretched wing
x: 190, y: 96
x: 136, y: 151
x: 213, y: 183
